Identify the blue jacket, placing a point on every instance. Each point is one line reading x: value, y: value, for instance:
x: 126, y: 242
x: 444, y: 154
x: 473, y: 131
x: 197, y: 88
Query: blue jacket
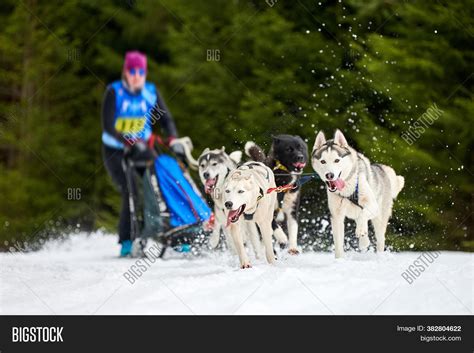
x: 129, y: 116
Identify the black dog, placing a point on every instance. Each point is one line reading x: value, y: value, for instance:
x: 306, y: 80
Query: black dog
x: 287, y: 158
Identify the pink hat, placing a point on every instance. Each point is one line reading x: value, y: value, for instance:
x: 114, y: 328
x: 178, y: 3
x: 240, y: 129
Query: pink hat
x: 134, y: 59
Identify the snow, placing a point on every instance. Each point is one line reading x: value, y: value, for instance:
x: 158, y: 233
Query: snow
x: 83, y: 275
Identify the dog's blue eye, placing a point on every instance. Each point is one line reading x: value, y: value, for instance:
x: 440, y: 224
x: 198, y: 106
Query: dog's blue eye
x: 336, y: 160
x: 240, y: 191
x: 323, y: 161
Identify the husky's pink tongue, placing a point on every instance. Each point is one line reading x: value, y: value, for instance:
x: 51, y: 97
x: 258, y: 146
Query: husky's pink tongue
x: 339, y: 184
x: 230, y: 216
x: 209, y: 184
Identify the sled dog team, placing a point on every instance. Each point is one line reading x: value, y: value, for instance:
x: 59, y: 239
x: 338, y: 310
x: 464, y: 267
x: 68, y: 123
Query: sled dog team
x: 254, y: 200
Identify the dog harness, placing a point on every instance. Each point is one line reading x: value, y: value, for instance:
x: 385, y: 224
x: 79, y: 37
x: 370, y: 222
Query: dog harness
x: 278, y: 189
x: 282, y: 188
x: 354, y: 198
x: 250, y: 165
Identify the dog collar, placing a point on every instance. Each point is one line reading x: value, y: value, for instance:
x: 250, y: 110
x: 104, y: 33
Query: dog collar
x: 354, y: 198
x: 249, y: 216
x: 280, y: 166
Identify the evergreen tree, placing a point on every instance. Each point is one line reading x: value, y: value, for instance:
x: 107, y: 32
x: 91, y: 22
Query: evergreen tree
x: 231, y: 72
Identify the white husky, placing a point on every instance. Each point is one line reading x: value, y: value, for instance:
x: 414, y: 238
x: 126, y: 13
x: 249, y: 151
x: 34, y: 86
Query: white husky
x: 246, y: 201
x: 214, y: 166
x: 356, y: 189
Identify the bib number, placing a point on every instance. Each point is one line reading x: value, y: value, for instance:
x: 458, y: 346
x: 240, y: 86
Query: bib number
x: 130, y: 125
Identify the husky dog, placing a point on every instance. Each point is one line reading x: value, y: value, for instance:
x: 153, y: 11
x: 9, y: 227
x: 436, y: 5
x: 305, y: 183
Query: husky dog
x: 287, y: 157
x: 356, y: 189
x: 247, y: 202
x: 214, y: 166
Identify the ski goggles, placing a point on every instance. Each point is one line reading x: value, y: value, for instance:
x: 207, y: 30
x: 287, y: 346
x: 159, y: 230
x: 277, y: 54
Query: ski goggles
x: 134, y: 71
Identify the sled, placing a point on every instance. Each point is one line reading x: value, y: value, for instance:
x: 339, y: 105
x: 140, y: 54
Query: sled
x: 165, y: 203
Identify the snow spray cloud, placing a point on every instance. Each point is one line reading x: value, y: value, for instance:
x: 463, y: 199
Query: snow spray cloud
x: 424, y: 121
x: 18, y: 248
x: 419, y: 266
x: 142, y: 265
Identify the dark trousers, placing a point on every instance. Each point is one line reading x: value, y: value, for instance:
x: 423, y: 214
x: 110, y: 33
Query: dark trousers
x: 113, y: 163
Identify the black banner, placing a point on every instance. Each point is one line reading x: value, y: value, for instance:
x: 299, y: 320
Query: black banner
x: 292, y: 333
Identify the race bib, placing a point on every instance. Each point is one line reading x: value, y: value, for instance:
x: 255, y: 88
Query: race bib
x: 129, y: 125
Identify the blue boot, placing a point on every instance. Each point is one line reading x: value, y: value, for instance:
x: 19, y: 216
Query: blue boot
x: 126, y: 248
x: 184, y: 248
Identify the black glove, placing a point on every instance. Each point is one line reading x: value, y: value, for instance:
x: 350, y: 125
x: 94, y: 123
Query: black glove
x: 139, y: 152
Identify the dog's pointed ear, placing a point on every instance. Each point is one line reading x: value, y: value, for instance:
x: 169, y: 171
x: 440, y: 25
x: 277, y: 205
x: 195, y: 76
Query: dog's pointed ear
x: 276, y: 139
x: 340, y: 139
x: 303, y: 142
x: 223, y: 149
x: 236, y: 156
x: 235, y: 175
x: 206, y: 150
x: 320, y: 140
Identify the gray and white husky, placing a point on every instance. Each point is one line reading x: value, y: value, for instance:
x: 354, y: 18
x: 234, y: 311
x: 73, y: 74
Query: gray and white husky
x: 356, y: 189
x: 214, y: 166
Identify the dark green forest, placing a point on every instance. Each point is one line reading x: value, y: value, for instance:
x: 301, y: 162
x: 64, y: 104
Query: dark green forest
x: 234, y: 70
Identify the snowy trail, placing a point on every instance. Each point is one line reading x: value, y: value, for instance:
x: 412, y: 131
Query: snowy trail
x: 82, y: 275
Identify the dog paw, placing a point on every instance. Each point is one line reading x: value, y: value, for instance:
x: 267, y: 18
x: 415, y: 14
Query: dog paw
x: 361, y: 232
x: 246, y: 265
x: 362, y: 228
x: 293, y: 251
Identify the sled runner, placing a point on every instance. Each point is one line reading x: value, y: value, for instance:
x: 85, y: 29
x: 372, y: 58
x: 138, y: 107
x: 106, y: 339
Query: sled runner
x: 165, y: 204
